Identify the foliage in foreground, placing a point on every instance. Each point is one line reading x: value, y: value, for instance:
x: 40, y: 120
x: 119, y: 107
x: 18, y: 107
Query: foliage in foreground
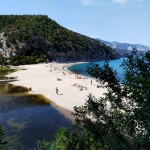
x: 120, y: 120
x: 2, y: 142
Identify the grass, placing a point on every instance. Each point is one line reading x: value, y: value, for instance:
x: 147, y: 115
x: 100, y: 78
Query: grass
x: 5, y: 69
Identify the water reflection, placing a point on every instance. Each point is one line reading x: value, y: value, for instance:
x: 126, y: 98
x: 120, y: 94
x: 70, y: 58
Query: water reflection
x: 27, y: 118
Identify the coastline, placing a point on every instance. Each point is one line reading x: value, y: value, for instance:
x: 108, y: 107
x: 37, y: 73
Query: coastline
x: 44, y: 78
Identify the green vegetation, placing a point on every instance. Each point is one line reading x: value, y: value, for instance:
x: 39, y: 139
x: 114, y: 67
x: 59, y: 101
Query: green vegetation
x: 120, y: 120
x: 5, y: 69
x: 2, y: 142
x: 37, y: 35
x: 0, y: 44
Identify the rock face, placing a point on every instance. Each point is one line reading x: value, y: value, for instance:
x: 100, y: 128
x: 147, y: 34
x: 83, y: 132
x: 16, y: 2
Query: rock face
x: 4, y: 50
x: 38, y: 36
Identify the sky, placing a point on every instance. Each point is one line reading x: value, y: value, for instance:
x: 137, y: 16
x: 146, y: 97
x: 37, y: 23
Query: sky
x: 125, y: 21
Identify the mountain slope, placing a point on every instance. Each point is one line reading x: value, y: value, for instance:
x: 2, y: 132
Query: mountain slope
x: 124, y: 48
x: 39, y: 37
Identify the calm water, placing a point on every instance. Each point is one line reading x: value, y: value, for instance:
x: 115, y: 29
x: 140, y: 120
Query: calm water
x: 27, y: 118
x: 82, y: 68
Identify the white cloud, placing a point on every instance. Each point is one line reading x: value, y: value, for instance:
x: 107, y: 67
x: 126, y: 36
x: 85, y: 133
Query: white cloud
x: 87, y: 2
x: 127, y: 1
x: 100, y: 2
x: 93, y: 2
x: 120, y: 1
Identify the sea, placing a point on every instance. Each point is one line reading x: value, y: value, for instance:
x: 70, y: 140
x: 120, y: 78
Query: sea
x: 82, y: 67
x: 28, y: 118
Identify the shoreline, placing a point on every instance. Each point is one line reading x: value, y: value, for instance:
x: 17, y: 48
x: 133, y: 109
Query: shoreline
x: 44, y: 78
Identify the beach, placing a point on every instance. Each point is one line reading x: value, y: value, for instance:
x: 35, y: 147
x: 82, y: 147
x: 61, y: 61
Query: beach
x: 52, y: 80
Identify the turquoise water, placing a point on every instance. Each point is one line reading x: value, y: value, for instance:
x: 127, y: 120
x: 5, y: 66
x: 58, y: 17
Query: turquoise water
x: 27, y: 118
x: 82, y: 68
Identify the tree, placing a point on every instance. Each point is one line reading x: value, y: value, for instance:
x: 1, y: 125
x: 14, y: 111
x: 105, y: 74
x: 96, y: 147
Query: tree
x: 2, y: 142
x: 1, y: 45
x: 120, y: 120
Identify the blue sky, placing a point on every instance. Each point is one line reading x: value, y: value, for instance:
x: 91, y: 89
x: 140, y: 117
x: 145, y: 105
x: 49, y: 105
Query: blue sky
x: 126, y: 21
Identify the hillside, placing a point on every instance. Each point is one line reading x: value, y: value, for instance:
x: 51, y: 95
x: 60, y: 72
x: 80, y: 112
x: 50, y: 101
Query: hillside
x: 36, y: 38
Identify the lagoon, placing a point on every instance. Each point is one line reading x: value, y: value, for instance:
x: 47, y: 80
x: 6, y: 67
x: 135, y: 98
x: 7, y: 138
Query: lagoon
x: 27, y: 118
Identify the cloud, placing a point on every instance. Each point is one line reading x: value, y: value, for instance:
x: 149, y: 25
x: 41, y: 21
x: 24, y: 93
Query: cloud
x: 93, y: 2
x: 100, y: 2
x: 120, y: 1
x: 87, y: 2
x: 127, y: 1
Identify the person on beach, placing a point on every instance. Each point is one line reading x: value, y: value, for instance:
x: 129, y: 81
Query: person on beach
x: 57, y: 90
x: 30, y: 89
x: 77, y: 76
x: 91, y: 82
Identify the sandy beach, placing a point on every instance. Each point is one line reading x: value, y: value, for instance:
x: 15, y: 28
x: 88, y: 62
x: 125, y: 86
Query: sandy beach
x: 44, y: 78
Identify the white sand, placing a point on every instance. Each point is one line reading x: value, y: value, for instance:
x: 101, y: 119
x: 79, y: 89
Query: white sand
x: 42, y: 78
